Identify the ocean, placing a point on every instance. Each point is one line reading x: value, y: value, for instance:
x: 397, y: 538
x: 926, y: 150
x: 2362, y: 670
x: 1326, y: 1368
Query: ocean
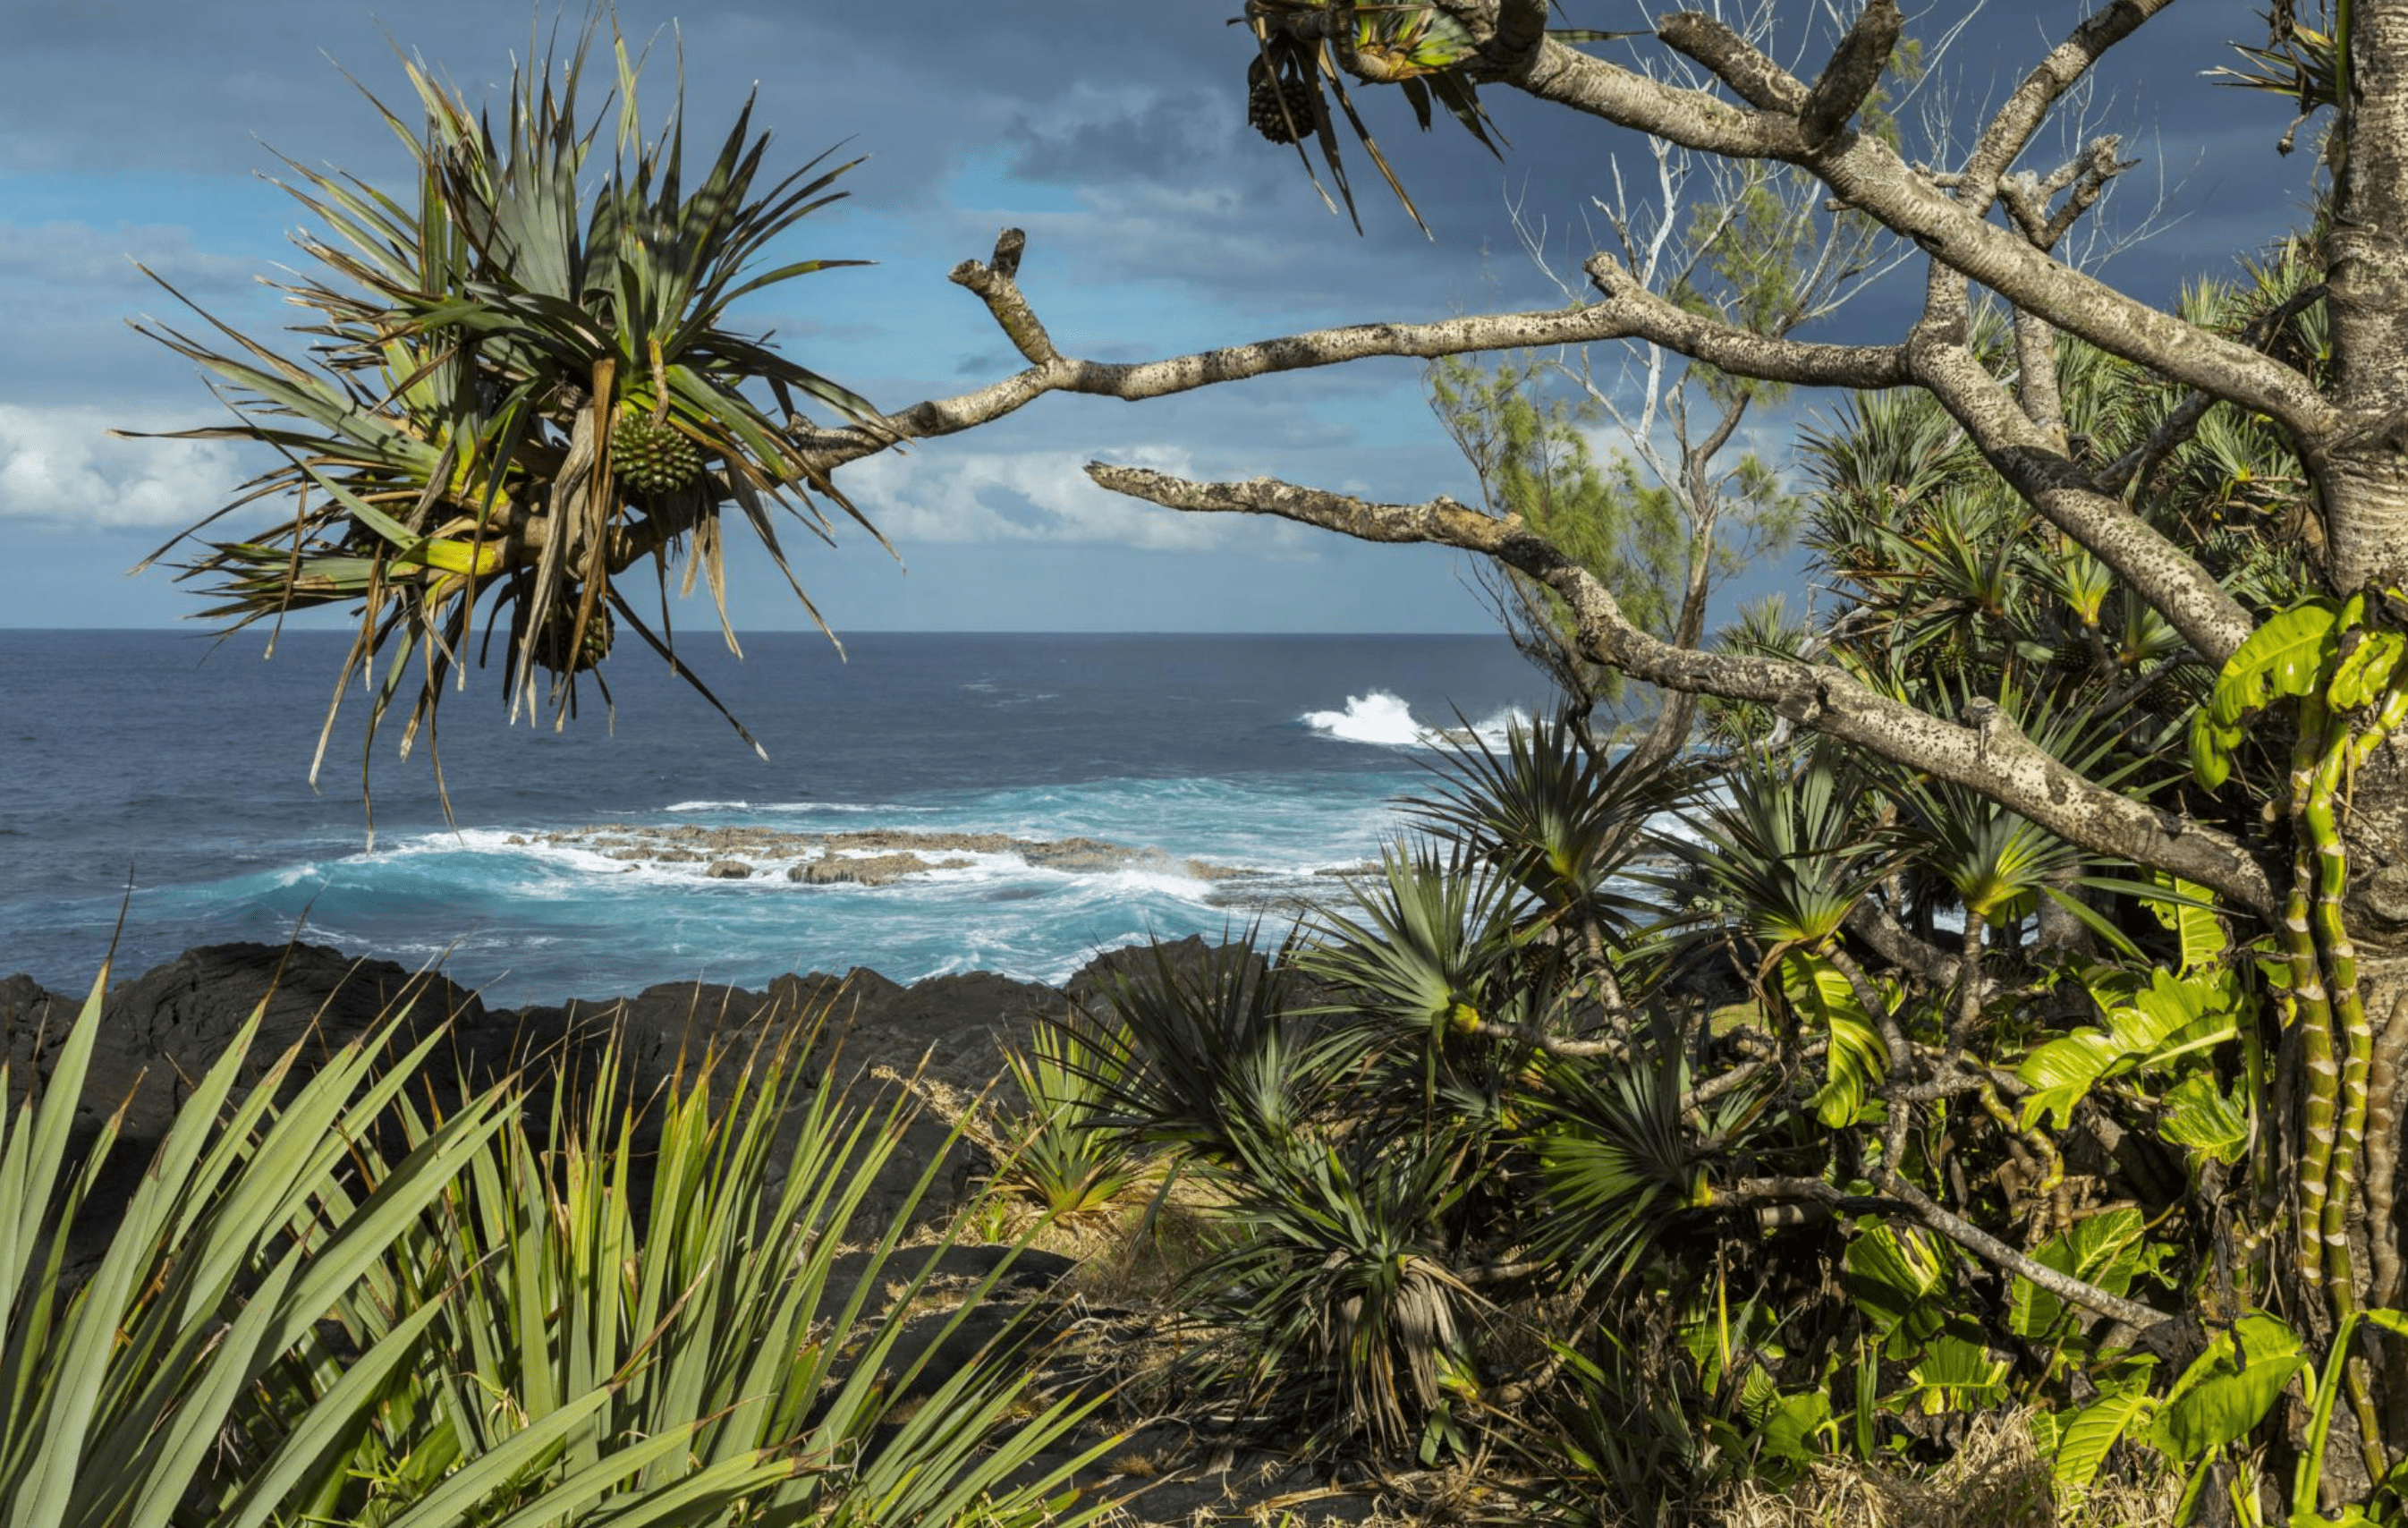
x: 164, y: 774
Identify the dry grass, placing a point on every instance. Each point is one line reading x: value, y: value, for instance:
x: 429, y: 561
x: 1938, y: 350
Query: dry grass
x: 1147, y: 1256
x: 1996, y: 1479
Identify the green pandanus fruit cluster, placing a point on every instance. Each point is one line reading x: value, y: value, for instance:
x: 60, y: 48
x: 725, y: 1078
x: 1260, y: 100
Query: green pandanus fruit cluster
x: 2338, y: 673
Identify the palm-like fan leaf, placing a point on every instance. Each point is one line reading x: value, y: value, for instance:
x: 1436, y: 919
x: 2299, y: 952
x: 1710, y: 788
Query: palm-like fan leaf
x: 1784, y: 849
x: 1559, y: 818
x: 1337, y: 1303
x: 1430, y: 942
x: 1620, y: 1161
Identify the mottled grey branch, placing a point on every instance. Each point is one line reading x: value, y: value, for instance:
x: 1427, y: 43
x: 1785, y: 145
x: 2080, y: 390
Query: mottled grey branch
x: 2004, y: 765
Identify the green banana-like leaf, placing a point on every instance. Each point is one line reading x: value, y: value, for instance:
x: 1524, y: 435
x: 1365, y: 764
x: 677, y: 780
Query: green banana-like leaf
x: 2290, y: 657
x: 2189, y: 915
x: 2228, y: 1389
x: 1857, y: 1061
x: 1957, y: 1372
x: 2172, y: 1017
x: 2084, y: 1440
x: 2364, y: 673
x: 1898, y: 1281
x: 2200, y: 1117
x: 2106, y: 1250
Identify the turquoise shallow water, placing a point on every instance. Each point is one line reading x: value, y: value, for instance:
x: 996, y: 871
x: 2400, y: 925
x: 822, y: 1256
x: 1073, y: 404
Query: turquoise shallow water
x: 124, y: 756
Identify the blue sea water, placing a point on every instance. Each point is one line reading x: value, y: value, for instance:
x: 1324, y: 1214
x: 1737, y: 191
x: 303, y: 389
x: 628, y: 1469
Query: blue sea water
x: 126, y: 759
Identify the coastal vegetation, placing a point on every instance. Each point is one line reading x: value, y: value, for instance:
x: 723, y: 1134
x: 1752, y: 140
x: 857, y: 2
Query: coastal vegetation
x: 1996, y: 1031
x: 334, y: 1299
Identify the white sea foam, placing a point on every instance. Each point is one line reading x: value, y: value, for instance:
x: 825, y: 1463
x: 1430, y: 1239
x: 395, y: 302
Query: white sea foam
x: 1387, y: 721
x: 1378, y: 718
x: 795, y: 806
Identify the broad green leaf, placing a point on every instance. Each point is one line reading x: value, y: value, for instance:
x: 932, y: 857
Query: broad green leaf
x: 1855, y: 1061
x: 2199, y: 1115
x: 2211, y: 751
x: 2105, y: 1249
x: 2287, y: 658
x: 2175, y: 1015
x: 2170, y: 1017
x: 2084, y: 1438
x: 1957, y: 1372
x: 2361, y: 676
x: 1794, y: 1429
x: 2189, y: 915
x: 2061, y: 1073
x: 2283, y: 658
x: 1895, y: 1277
x: 2228, y: 1389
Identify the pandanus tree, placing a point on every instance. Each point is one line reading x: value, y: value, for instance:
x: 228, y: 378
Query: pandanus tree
x: 2289, y: 824
x: 2123, y: 589
x: 524, y: 384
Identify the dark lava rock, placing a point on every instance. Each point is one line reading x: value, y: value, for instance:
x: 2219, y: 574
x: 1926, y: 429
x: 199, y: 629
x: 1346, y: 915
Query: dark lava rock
x: 161, y: 1032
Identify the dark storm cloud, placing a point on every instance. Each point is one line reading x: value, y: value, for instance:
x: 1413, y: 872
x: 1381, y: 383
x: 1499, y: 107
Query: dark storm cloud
x: 1139, y: 109
x: 1154, y: 137
x: 1112, y: 130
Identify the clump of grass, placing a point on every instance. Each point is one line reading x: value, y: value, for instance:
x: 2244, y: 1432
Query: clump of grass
x: 1057, y: 1158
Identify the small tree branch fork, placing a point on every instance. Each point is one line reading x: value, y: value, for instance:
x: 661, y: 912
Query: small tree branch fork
x: 1634, y: 314
x: 1902, y: 1198
x: 1998, y: 760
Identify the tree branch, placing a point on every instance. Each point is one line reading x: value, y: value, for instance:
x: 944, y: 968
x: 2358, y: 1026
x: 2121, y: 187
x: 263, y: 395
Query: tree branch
x: 1733, y: 59
x: 2000, y: 763
x: 996, y: 285
x: 1870, y: 921
x: 1659, y: 320
x: 1635, y: 314
x: 2012, y: 126
x: 1901, y: 1196
x: 2169, y: 578
x: 1855, y: 68
x: 1867, y: 174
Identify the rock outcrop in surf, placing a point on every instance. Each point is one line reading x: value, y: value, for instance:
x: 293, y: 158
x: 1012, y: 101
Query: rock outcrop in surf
x: 864, y: 856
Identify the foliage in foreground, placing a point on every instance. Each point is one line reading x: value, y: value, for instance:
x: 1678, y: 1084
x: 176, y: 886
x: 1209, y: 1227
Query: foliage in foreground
x: 1995, y: 1119
x: 511, y: 1316
x: 1658, y: 1138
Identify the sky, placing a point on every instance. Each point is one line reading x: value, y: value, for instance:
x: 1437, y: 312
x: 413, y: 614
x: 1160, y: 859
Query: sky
x: 1114, y: 131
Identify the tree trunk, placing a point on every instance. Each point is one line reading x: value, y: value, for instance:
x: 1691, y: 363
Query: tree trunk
x: 2362, y: 469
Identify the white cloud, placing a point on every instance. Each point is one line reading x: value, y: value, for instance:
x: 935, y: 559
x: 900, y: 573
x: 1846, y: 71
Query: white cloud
x: 937, y: 495
x: 62, y: 464
x: 76, y: 255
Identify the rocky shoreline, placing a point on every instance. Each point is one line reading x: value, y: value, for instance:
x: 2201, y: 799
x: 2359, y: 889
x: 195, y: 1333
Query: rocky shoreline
x: 166, y: 1027
x: 866, y: 857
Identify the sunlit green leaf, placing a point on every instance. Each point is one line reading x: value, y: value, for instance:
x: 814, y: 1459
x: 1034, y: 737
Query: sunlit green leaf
x: 2228, y: 1389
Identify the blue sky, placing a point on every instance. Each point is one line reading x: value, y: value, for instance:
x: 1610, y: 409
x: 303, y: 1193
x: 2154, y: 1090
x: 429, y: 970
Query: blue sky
x: 1112, y: 130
